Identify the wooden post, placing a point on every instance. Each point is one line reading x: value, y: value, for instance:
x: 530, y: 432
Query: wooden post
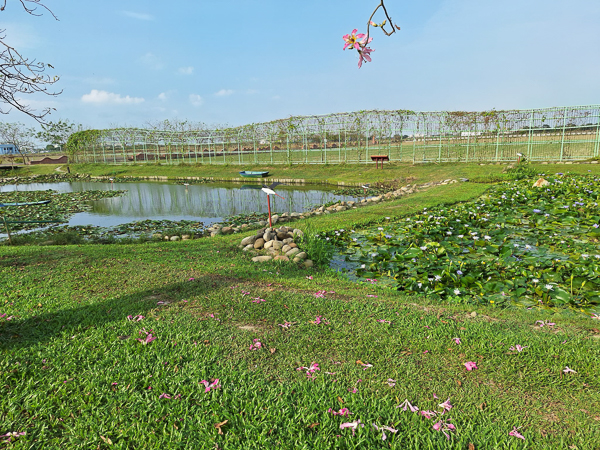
x: 7, y: 230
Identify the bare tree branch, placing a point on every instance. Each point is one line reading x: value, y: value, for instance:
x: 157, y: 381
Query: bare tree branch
x: 20, y: 75
x: 388, y: 20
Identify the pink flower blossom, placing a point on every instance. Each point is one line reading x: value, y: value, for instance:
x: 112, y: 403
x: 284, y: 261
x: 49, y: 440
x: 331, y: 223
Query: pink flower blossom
x: 446, y: 405
x: 406, y: 405
x: 428, y: 414
x: 342, y: 412
x: 518, y: 348
x: 470, y: 366
x: 457, y: 341
x: 320, y: 319
x: 309, y: 277
x: 286, y: 324
x: 353, y: 425
x: 258, y: 300
x: 353, y: 390
x: 135, y: 318
x: 163, y: 395
x: 384, y: 321
x: 12, y: 435
x: 516, y: 434
x: 352, y: 40
x: 215, y: 384
x: 149, y: 338
x: 191, y: 279
x: 256, y: 344
x: 443, y: 427
x: 320, y: 294
x: 371, y: 295
x: 567, y: 370
x: 364, y: 55
x: 542, y: 323
x: 310, y: 370
x: 383, y: 429
x: 391, y: 382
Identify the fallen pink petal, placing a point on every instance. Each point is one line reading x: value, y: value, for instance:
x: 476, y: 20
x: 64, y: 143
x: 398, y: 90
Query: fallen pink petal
x: 353, y: 425
x: 428, y: 414
x: 342, y: 412
x: 516, y: 434
x: 391, y: 382
x: 406, y: 405
x: 457, y: 341
x: 446, y: 405
x: 470, y: 366
x: 163, y: 395
x: 215, y: 384
x: 567, y: 370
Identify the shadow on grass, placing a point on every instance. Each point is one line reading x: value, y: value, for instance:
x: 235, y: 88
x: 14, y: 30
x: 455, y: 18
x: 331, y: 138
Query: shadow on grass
x: 42, y: 328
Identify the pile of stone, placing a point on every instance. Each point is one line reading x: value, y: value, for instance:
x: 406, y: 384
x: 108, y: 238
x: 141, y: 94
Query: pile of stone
x: 276, y: 244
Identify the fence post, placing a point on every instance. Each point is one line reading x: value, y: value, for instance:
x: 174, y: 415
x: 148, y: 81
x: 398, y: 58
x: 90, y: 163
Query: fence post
x: 530, y: 138
x: 562, y: 140
x: 597, y: 143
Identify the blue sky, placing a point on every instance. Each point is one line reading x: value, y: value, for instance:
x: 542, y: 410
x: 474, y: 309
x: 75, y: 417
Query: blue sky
x: 127, y: 62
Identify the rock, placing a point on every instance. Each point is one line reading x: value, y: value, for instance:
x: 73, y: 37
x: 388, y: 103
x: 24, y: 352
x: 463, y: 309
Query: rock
x: 277, y: 245
x: 249, y: 247
x: 157, y: 236
x: 308, y: 263
x: 295, y: 214
x: 215, y: 233
x: 293, y: 252
x: 340, y: 208
x: 288, y: 241
x: 268, y: 236
x: 541, y: 182
x: 282, y: 235
x: 259, y: 243
x: 244, y: 226
x: 298, y: 233
x: 297, y: 260
x: 269, y: 244
x: 185, y: 237
x: 274, y: 218
x: 249, y: 240
x: 167, y: 238
x: 302, y: 255
x: 175, y: 238
x: 262, y: 223
x: 286, y: 248
x: 281, y: 258
x: 473, y: 314
x: 262, y: 258
x: 293, y: 245
x: 227, y: 230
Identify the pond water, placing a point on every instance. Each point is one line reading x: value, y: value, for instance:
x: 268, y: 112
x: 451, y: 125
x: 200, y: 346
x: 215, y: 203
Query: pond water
x: 208, y: 203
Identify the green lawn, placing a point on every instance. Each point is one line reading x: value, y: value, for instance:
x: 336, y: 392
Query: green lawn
x: 74, y: 375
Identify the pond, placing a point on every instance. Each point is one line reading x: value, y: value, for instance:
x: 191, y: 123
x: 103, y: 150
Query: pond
x: 208, y: 203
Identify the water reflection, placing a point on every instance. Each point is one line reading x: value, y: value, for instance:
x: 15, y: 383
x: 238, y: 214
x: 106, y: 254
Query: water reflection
x: 208, y: 203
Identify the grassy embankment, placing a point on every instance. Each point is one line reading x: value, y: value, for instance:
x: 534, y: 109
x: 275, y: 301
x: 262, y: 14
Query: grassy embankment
x: 75, y: 376
x: 313, y: 173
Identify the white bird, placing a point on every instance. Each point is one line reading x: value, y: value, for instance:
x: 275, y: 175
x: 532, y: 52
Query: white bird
x: 267, y: 190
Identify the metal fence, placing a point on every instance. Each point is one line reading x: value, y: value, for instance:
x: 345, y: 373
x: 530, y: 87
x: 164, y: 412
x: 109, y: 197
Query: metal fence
x: 551, y: 134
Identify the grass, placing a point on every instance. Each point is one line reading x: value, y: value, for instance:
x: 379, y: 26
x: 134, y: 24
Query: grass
x: 317, y: 174
x: 74, y: 374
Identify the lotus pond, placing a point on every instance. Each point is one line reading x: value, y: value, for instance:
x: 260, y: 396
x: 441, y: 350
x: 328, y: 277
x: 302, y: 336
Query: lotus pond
x: 517, y: 245
x: 89, y: 203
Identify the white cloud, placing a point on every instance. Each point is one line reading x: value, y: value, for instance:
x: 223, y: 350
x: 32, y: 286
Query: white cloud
x: 152, y: 61
x: 224, y: 92
x: 138, y: 16
x: 162, y: 96
x: 96, y: 96
x: 196, y: 100
x: 186, y: 70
